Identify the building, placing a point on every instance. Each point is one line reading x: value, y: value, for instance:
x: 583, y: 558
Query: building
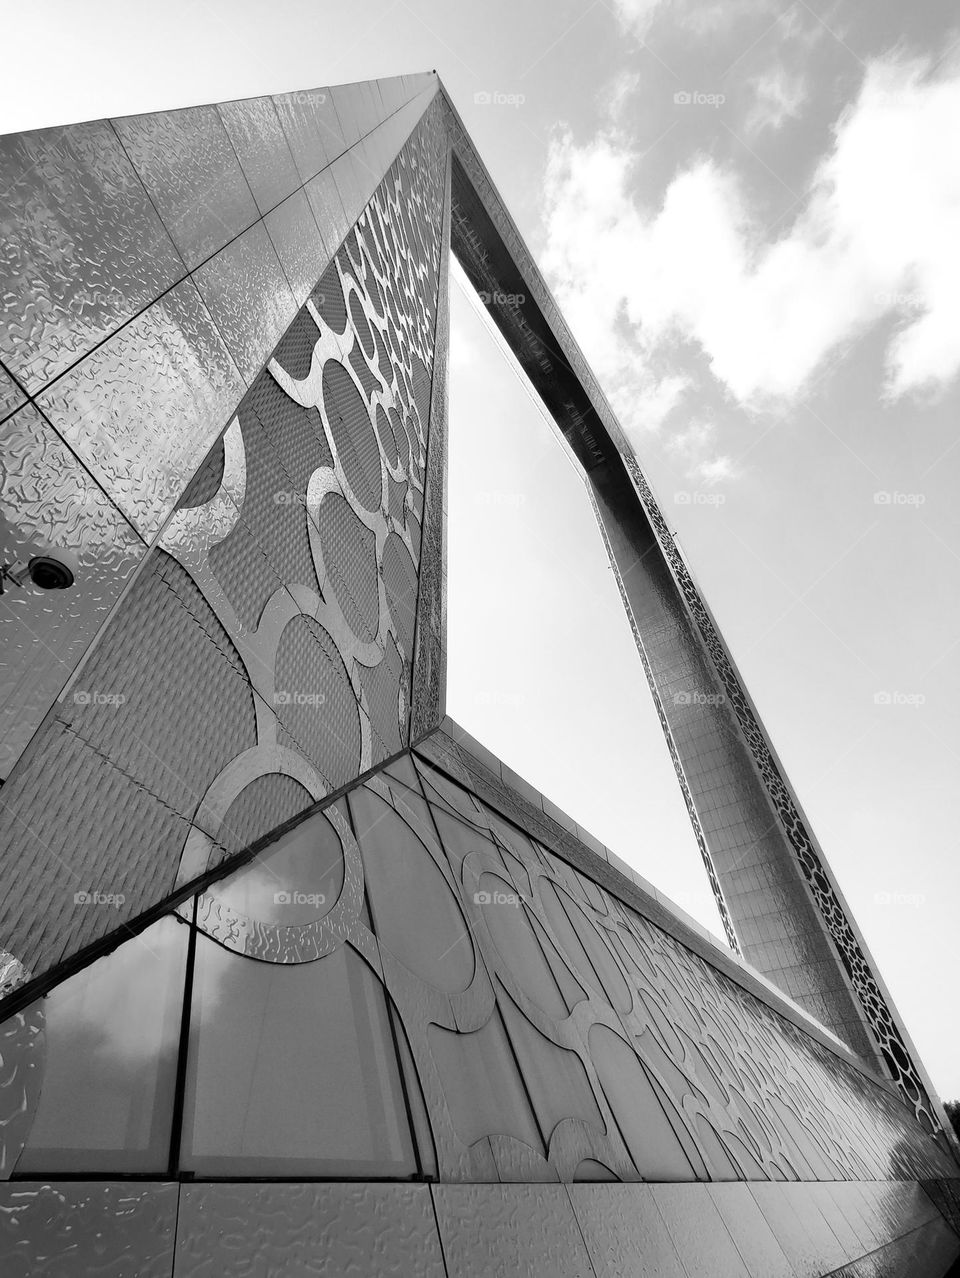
x: 297, y: 977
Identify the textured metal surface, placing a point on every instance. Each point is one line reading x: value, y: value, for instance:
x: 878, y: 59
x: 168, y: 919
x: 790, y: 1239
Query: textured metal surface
x: 522, y: 1230
x: 314, y: 657
x: 247, y: 294
x: 429, y: 687
x: 83, y: 247
x: 143, y: 409
x: 624, y: 1232
x: 21, y: 1073
x: 111, y: 1230
x: 299, y: 244
x: 190, y: 169
x: 338, y: 1231
x: 50, y: 500
x: 128, y: 746
x: 254, y: 130
x: 312, y: 128
x: 11, y: 396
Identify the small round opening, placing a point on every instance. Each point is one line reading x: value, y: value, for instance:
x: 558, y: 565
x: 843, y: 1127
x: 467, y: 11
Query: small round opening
x: 49, y: 574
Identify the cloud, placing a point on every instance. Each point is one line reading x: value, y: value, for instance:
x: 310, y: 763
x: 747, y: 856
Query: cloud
x: 647, y: 290
x: 702, y: 17
x: 778, y: 96
x: 694, y: 448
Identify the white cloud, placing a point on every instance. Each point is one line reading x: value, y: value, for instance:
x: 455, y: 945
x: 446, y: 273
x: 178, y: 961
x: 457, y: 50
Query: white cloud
x: 876, y: 235
x: 695, y: 448
x: 699, y: 16
x: 778, y: 96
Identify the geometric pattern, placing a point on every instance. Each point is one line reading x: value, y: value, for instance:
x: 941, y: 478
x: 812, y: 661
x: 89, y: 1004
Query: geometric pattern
x: 289, y: 568
x: 552, y: 1031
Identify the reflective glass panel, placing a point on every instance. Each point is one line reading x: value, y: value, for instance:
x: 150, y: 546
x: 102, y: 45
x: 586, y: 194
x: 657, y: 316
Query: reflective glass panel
x: 112, y: 1031
x: 293, y: 881
x: 292, y: 1070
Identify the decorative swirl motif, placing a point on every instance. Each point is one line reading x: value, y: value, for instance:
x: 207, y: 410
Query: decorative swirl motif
x: 329, y: 445
x: 578, y: 1002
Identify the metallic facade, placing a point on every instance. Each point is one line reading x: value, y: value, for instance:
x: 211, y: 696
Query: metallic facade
x: 296, y: 977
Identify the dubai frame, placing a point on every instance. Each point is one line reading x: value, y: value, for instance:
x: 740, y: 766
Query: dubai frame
x: 297, y: 977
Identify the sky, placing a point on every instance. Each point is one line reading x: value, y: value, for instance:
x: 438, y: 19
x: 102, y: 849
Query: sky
x: 749, y: 213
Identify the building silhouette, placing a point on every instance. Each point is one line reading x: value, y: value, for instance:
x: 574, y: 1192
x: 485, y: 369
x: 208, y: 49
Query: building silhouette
x: 297, y: 977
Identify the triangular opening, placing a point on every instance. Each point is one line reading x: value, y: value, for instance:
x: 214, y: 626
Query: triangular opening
x: 543, y: 668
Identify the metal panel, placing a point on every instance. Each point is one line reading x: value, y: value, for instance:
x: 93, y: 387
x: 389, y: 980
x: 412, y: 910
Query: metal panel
x: 523, y: 1230
x: 357, y: 1231
x: 248, y: 296
x: 299, y: 244
x: 312, y: 127
x: 113, y: 1230
x: 191, y: 170
x: 84, y: 249
x: 625, y: 1233
x: 143, y: 409
x: 254, y: 129
x: 49, y: 500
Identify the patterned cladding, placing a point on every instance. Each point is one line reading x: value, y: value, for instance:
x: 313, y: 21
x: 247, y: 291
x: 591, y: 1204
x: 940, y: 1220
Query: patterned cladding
x: 554, y: 1033
x: 49, y: 499
x: 392, y: 1231
x: 100, y: 328
x: 272, y: 635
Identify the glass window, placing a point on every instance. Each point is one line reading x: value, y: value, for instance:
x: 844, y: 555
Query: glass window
x: 292, y: 1070
x: 112, y: 1031
x: 293, y: 881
